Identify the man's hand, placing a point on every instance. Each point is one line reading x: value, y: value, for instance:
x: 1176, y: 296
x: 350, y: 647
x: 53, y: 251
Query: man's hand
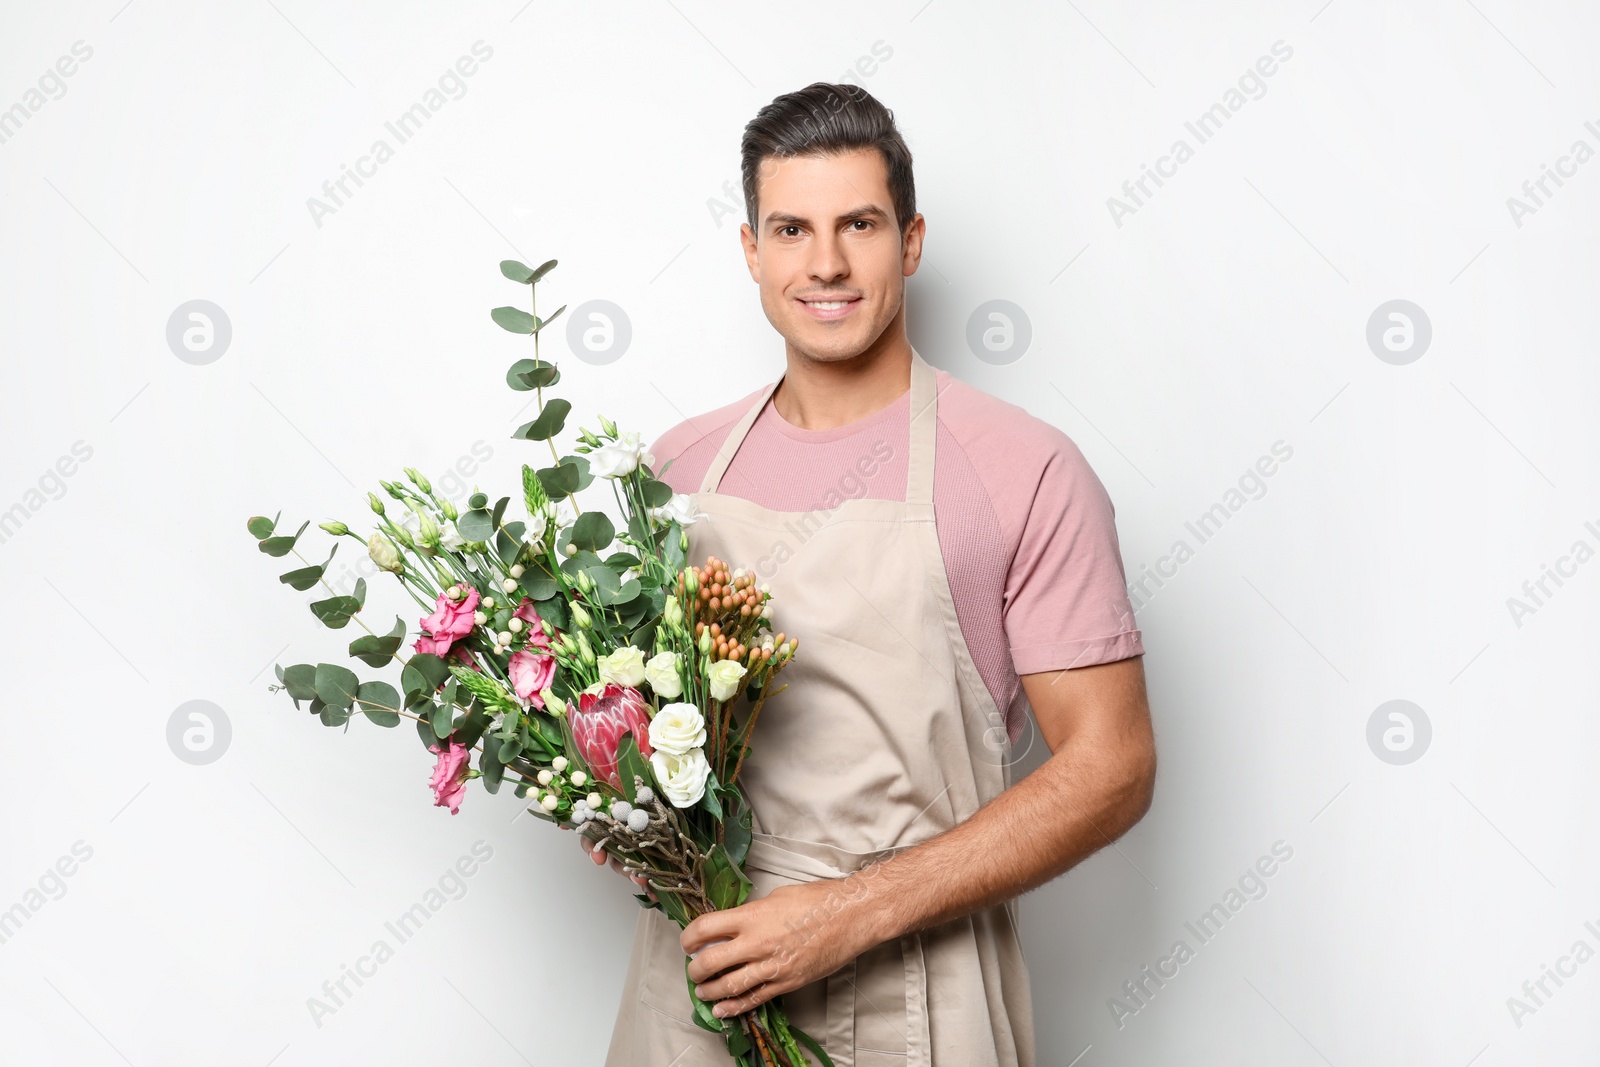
x: 792, y: 936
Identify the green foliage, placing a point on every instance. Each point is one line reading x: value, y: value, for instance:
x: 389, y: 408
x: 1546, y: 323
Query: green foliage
x: 261, y: 527
x: 593, y: 531
x: 514, y: 320
x: 282, y: 546
x: 336, y: 686
x: 378, y: 651
x: 336, y: 611
x: 550, y: 422
x: 377, y: 699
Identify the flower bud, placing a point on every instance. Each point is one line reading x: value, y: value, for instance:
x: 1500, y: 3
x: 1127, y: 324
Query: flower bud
x: 449, y: 510
x: 338, y: 529
x: 418, y: 480
x: 585, y: 582
x: 608, y: 426
x: 549, y: 631
x: 672, y: 614
x: 384, y: 554
x: 691, y: 580
x: 683, y: 539
x: 705, y: 641
x: 555, y: 706
x: 428, y: 533
x: 403, y: 535
x: 377, y: 505
x: 581, y: 617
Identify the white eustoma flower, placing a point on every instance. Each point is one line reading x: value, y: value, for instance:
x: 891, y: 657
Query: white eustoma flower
x: 677, y: 728
x: 724, y: 677
x: 617, y: 458
x: 679, y: 506
x: 625, y: 666
x: 661, y: 671
x: 451, y: 537
x: 537, y: 524
x: 682, y: 778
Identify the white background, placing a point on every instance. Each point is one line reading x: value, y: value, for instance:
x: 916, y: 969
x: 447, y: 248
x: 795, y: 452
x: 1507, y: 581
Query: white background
x: 1227, y: 313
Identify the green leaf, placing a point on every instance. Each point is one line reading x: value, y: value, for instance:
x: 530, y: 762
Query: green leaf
x: 261, y: 527
x: 726, y: 885
x: 306, y: 577
x: 492, y: 768
x: 476, y: 525
x: 585, y: 479
x: 708, y: 799
x: 554, y: 608
x: 300, y: 681
x: 477, y: 500
x: 655, y: 493
x: 332, y: 716
x: 629, y: 763
x: 554, y: 315
x: 593, y: 531
x: 605, y: 582
x: 472, y: 727
x: 548, y: 424
x: 702, y: 1011
x: 528, y: 374
x: 544, y: 268
x: 621, y: 561
x: 738, y: 1043
x: 282, y: 546
x: 376, y: 700
x: 499, y: 512
x: 514, y: 320
x: 378, y: 651
x: 443, y: 720
x: 425, y: 733
x: 736, y: 828
x: 336, y: 686
x: 627, y: 591
x: 335, y: 612
x: 517, y: 272
x: 560, y: 480
x: 510, y: 749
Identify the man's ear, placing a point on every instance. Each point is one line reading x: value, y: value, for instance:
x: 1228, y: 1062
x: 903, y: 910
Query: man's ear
x: 747, y: 237
x: 911, y: 245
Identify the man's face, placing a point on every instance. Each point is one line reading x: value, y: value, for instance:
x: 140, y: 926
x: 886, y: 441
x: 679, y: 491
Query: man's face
x: 826, y: 253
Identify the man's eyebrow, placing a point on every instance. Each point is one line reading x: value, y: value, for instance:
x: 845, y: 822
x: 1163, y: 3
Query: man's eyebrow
x: 866, y: 211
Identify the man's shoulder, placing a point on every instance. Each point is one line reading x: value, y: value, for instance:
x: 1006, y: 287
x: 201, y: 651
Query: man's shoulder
x: 999, y: 435
x: 694, y: 440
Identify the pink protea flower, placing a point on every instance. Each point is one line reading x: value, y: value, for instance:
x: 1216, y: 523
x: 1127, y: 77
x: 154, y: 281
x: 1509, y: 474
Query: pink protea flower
x: 531, y: 672
x: 451, y: 620
x: 600, y: 720
x: 449, y: 783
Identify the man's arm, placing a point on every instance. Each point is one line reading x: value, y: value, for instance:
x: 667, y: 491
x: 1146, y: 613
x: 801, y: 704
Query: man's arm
x: 1096, y: 784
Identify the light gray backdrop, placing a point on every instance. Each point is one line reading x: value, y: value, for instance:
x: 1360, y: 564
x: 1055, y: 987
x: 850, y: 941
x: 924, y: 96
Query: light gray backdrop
x: 1351, y: 259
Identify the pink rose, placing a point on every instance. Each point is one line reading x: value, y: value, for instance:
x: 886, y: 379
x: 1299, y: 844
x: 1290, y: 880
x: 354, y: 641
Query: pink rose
x: 451, y: 620
x: 600, y: 720
x: 449, y: 783
x: 528, y: 614
x: 531, y: 672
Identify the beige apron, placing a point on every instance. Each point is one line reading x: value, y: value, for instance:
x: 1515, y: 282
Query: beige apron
x: 885, y: 736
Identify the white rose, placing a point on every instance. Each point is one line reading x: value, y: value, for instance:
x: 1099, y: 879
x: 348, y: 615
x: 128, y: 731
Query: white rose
x: 679, y: 506
x: 724, y: 676
x: 617, y: 458
x: 662, y: 674
x: 677, y: 728
x: 625, y: 666
x: 682, y: 778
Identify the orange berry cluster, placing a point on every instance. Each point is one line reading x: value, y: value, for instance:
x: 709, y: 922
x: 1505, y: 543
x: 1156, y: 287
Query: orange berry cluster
x: 731, y: 609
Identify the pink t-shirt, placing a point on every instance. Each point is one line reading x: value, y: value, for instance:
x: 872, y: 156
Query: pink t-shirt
x: 1026, y: 528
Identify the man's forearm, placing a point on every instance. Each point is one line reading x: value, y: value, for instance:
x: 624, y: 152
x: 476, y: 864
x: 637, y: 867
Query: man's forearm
x: 1083, y: 798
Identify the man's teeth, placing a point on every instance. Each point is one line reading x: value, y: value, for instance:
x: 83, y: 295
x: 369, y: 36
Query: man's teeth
x: 827, y: 305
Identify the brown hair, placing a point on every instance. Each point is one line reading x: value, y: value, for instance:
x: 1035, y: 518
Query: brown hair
x: 826, y: 119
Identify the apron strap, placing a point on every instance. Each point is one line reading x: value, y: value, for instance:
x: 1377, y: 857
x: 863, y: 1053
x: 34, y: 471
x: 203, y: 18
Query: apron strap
x: 919, y: 1041
x: 724, y: 456
x: 924, y: 419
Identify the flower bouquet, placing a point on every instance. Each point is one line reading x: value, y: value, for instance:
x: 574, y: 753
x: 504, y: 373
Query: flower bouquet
x: 607, y: 680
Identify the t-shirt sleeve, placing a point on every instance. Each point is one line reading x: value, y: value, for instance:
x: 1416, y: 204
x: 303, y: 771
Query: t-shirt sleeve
x: 1066, y: 597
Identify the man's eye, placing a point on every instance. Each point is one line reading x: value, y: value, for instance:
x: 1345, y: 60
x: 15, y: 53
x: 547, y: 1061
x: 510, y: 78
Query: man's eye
x: 785, y: 231
x: 860, y: 222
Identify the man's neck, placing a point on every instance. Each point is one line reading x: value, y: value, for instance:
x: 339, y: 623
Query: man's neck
x: 822, y: 394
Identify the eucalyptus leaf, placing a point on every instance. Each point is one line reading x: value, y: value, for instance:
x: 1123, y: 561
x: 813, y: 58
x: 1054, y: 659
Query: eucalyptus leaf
x: 560, y: 480
x: 514, y: 320
x: 378, y: 651
x: 476, y: 525
x: 261, y: 527
x: 593, y: 531
x: 548, y: 424
x: 517, y: 272
x: 335, y: 612
x: 336, y: 686
x: 282, y: 546
x: 301, y: 682
x: 655, y: 493
x: 544, y: 268
x: 378, y: 701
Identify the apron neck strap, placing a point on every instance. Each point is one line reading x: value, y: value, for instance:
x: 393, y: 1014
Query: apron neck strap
x: 924, y: 420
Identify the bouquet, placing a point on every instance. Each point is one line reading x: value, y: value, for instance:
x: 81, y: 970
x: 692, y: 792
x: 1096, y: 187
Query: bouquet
x: 586, y: 664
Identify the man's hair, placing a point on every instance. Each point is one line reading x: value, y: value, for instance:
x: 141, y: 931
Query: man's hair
x: 826, y: 119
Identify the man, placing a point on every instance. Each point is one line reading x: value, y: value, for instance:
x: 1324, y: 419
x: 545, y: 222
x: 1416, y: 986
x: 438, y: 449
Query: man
x: 947, y: 561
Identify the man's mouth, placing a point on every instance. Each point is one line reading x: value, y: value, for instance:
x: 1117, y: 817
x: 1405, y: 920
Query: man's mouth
x: 830, y: 309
